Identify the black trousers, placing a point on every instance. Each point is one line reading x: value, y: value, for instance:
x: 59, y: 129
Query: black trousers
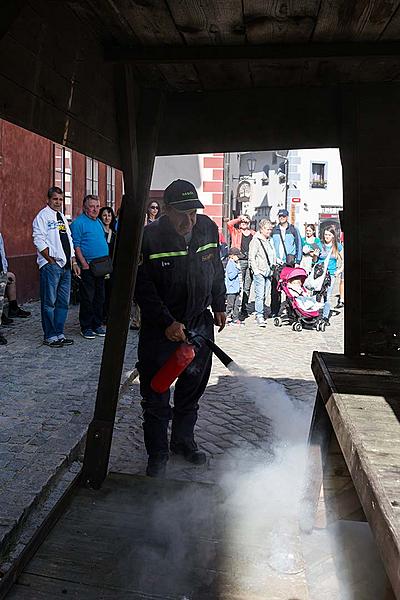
x: 153, y: 351
x: 233, y: 305
x: 247, y: 278
x: 91, y: 291
x: 275, y: 297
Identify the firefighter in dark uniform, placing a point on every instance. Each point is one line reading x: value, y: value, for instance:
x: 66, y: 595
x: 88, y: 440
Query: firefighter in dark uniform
x: 179, y: 277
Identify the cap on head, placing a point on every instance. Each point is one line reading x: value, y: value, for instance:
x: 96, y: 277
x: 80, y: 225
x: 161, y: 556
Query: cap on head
x: 182, y: 195
x: 283, y: 213
x: 235, y: 251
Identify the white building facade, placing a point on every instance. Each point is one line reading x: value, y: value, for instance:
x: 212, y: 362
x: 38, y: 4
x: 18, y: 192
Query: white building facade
x: 307, y: 182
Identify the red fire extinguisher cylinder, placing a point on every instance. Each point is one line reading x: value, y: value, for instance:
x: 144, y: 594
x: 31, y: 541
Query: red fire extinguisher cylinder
x: 175, y: 365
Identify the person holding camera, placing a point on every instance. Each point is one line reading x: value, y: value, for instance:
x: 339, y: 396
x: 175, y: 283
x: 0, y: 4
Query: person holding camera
x: 241, y: 236
x: 262, y: 261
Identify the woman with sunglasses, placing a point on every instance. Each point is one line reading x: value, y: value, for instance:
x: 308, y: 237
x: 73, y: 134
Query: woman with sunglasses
x: 153, y: 212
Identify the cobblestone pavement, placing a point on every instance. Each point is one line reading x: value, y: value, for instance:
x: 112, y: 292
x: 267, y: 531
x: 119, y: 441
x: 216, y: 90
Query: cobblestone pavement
x: 47, y: 400
x: 228, y: 418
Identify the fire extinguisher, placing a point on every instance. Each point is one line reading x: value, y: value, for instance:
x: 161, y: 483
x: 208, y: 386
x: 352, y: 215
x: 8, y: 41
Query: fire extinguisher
x: 175, y: 365
x: 182, y: 357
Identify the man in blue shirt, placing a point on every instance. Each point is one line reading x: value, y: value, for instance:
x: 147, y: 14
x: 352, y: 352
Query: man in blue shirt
x: 288, y: 249
x: 90, y: 243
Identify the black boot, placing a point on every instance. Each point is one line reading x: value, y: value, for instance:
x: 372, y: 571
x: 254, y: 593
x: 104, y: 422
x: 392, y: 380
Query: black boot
x: 157, y: 466
x: 18, y: 313
x: 189, y: 453
x: 3, y: 340
x: 6, y: 320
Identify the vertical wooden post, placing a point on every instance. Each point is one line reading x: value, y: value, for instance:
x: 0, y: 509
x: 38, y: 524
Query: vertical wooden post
x: 318, y: 446
x: 139, y: 114
x: 349, y: 151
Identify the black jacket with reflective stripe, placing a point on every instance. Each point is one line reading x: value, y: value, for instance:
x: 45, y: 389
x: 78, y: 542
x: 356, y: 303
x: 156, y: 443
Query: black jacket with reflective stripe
x: 176, y: 282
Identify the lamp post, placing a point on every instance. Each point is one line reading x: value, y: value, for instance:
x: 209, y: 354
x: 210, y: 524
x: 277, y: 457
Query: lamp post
x: 251, y: 165
x: 286, y: 162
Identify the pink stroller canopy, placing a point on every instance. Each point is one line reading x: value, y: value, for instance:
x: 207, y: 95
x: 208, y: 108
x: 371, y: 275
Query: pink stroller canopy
x: 289, y: 273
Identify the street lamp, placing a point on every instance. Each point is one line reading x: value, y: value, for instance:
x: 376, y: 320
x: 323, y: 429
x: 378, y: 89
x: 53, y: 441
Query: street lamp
x: 251, y: 165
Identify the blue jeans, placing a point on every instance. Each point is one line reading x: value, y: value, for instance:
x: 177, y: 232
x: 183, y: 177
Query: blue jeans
x: 55, y: 288
x: 262, y: 288
x: 327, y: 306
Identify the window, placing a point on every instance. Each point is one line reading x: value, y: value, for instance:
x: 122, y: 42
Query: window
x: 92, y: 176
x: 62, y: 175
x: 111, y: 187
x: 318, y: 176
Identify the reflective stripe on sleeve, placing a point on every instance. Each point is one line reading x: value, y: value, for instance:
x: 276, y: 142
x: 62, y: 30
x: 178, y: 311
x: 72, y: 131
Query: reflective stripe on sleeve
x: 168, y: 254
x: 207, y: 246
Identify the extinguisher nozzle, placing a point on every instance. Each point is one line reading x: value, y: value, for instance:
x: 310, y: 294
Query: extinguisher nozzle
x: 193, y: 337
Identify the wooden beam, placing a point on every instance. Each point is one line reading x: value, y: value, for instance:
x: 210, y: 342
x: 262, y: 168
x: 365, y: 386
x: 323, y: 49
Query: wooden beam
x: 138, y: 118
x: 142, y: 55
x: 9, y: 12
x: 238, y: 120
x: 349, y: 152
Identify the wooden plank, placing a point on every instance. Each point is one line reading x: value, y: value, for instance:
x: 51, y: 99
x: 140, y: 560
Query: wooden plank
x: 358, y: 20
x: 139, y: 116
x: 349, y: 153
x: 45, y: 588
x: 152, y: 24
x: 273, y: 21
x: 190, y: 121
x: 276, y: 53
x: 209, y: 22
x: 229, y: 77
x: 318, y: 445
x: 25, y: 109
x: 10, y: 11
x: 374, y: 473
x: 177, y: 541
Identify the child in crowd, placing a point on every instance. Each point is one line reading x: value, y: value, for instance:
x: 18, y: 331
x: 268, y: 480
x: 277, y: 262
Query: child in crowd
x: 232, y: 282
x: 307, y: 302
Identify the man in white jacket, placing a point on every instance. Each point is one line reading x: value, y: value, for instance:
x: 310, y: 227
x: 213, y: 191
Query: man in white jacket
x: 56, y: 258
x: 262, y: 261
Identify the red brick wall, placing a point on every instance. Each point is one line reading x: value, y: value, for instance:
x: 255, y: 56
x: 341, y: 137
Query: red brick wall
x: 25, y: 176
x: 26, y: 173
x: 215, y: 184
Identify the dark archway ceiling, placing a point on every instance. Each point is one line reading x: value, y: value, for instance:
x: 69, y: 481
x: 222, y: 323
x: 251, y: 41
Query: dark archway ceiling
x: 272, y: 68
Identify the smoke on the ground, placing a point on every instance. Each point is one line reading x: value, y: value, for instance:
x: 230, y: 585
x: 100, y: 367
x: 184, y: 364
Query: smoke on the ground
x: 264, y: 491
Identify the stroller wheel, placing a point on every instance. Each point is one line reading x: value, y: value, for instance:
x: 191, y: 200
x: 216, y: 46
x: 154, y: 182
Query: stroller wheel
x: 322, y: 326
x: 278, y: 322
x: 297, y: 326
x: 318, y: 325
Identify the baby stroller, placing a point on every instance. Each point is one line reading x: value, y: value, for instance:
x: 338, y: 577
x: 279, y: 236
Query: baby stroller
x: 298, y: 314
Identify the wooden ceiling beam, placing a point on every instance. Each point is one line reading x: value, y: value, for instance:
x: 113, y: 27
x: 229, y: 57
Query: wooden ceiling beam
x: 142, y: 55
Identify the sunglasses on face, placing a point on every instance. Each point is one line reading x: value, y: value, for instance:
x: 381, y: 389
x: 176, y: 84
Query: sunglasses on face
x: 154, y: 207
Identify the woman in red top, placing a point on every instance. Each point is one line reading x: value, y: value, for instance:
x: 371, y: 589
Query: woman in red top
x: 241, y: 236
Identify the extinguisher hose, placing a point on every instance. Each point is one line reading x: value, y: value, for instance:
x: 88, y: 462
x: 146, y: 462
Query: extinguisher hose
x: 219, y: 353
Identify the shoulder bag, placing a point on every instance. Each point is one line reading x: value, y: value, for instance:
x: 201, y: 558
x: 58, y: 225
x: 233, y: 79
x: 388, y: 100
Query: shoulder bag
x: 271, y: 267
x: 290, y: 258
x: 100, y: 267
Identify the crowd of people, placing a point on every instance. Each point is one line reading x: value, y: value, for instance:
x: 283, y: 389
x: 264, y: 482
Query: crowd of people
x: 257, y: 258
x: 185, y: 286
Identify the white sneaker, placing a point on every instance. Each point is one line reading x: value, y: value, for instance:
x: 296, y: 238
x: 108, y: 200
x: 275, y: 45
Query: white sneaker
x: 260, y: 321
